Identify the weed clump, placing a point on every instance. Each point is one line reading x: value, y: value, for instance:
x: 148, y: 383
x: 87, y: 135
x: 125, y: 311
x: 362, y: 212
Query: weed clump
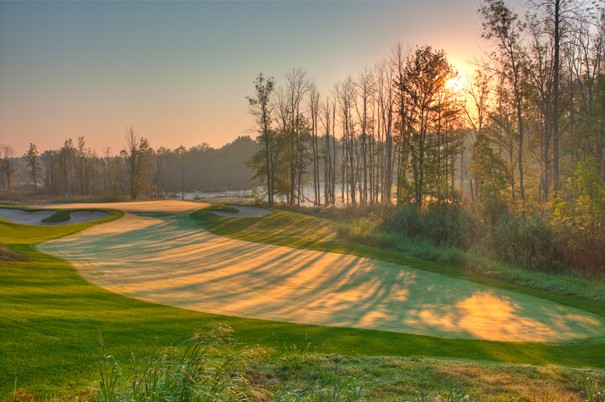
x: 206, y: 367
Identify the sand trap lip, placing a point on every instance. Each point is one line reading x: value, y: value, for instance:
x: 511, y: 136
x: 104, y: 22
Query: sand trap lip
x: 162, y: 206
x: 244, y: 212
x: 170, y: 260
x: 35, y: 217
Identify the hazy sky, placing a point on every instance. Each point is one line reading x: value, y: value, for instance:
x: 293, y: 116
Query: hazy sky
x: 179, y: 72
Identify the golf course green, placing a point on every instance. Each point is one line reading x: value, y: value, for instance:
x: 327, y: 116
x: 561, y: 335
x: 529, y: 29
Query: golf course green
x: 149, y: 277
x: 168, y: 259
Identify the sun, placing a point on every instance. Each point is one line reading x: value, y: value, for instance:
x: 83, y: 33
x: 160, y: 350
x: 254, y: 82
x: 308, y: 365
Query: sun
x: 456, y: 84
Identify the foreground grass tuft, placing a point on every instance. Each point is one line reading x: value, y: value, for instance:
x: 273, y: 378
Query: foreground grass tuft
x: 203, y: 368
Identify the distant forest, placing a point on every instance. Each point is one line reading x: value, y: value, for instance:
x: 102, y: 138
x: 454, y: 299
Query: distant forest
x: 139, y: 171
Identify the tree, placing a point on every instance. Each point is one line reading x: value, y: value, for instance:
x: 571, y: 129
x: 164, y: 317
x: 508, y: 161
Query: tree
x: 49, y: 160
x: 556, y: 21
x: 159, y: 156
x: 385, y: 99
x: 364, y: 88
x: 260, y: 106
x: 345, y: 95
x: 422, y: 84
x: 33, y: 163
x: 314, y: 105
x: 328, y: 153
x: 297, y: 87
x: 67, y: 162
x: 180, y: 153
x: 502, y: 25
x: 7, y: 169
x: 476, y: 107
x: 138, y: 156
x: 489, y: 169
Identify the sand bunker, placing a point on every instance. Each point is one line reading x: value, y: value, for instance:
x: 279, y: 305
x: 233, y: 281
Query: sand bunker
x: 169, y: 259
x: 36, y: 217
x: 244, y: 212
x: 162, y: 206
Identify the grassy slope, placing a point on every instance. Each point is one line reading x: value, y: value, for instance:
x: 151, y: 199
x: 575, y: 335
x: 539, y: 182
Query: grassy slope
x: 61, y: 215
x: 51, y: 321
x: 297, y: 230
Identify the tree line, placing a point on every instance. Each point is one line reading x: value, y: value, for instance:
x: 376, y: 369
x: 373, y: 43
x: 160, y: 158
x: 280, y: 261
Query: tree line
x: 138, y: 171
x: 404, y: 131
x: 521, y: 145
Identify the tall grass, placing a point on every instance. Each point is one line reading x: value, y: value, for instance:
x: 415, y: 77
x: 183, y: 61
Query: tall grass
x: 204, y: 368
x: 512, y: 246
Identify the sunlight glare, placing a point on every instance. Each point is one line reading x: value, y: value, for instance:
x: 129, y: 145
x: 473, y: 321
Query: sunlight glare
x: 456, y: 84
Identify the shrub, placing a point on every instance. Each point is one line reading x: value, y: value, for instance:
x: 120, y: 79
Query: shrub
x: 526, y: 240
x: 441, y: 224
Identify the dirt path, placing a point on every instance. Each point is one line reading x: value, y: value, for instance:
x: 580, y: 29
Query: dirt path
x: 169, y: 259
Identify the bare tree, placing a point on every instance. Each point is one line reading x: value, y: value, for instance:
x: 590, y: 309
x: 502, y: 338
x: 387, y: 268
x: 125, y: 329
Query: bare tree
x: 385, y: 99
x: 297, y: 87
x: 314, y: 105
x: 345, y: 91
x: 364, y: 88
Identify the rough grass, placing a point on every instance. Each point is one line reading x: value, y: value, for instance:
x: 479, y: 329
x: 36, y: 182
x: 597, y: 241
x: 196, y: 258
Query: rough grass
x: 213, y: 370
x: 366, y: 232
x: 7, y: 255
x: 301, y: 375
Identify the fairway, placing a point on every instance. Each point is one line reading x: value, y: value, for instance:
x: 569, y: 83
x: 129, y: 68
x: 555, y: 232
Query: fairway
x: 157, y: 253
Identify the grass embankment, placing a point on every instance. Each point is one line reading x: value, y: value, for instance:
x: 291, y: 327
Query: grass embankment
x: 62, y: 215
x: 51, y: 322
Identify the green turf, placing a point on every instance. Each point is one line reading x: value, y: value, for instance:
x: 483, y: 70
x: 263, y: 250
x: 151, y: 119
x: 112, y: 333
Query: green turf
x: 61, y: 215
x: 51, y: 321
x: 292, y: 229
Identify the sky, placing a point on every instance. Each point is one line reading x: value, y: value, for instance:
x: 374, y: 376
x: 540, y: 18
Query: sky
x: 179, y: 72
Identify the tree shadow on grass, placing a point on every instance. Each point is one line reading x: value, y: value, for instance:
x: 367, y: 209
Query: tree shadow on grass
x: 169, y: 260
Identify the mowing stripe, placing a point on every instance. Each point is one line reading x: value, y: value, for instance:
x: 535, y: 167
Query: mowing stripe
x: 169, y: 259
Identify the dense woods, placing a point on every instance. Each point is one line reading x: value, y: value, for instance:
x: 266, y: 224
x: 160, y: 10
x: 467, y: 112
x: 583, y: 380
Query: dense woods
x: 138, y: 171
x: 508, y: 163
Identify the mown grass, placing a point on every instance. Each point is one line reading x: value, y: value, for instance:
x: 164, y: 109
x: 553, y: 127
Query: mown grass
x: 61, y: 215
x: 52, y: 320
x: 293, y: 229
